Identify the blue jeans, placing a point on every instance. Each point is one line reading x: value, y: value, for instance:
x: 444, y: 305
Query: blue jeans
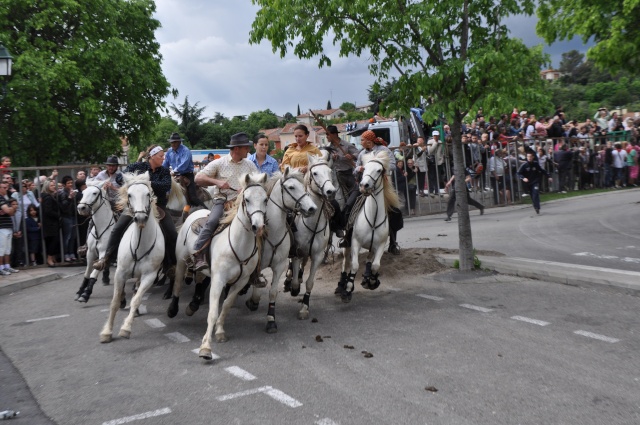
x: 68, y: 239
x: 608, y: 175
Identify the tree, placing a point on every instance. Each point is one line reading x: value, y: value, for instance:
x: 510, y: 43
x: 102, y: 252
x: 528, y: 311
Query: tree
x: 456, y: 51
x: 570, y: 63
x: 348, y: 106
x: 329, y: 105
x: 190, y: 120
x: 85, y: 73
x: 298, y: 110
x: 613, y: 25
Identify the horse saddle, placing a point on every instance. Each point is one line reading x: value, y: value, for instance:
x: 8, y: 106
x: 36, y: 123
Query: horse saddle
x: 203, y: 195
x: 199, y: 224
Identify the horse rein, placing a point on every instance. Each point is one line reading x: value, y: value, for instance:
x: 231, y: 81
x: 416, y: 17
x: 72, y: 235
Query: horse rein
x: 90, y: 206
x: 375, y: 217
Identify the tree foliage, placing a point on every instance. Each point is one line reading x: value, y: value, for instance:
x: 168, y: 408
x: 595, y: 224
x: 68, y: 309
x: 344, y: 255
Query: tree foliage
x: 190, y: 120
x: 613, y: 25
x: 85, y: 73
x: 457, y: 52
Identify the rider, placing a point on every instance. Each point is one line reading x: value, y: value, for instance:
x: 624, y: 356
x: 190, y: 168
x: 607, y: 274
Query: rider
x: 181, y: 162
x: 370, y: 143
x: 160, y: 177
x: 344, y: 157
x: 113, y: 179
x: 224, y: 172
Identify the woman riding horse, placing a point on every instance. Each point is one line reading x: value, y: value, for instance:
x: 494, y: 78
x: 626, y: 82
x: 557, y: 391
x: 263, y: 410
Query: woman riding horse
x: 161, y: 184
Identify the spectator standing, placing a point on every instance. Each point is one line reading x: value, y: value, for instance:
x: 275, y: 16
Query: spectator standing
x: 451, y: 204
x: 421, y: 164
x: 6, y: 231
x: 632, y: 164
x: 602, y: 118
x: 434, y: 160
x: 619, y: 157
x: 66, y: 200
x: 34, y: 234
x: 50, y: 221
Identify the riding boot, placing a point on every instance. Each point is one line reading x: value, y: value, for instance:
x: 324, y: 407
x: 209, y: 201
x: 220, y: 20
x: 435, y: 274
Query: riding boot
x: 82, y: 250
x: 393, y: 245
x: 346, y: 241
x: 335, y: 224
x: 200, y: 257
x: 114, y: 241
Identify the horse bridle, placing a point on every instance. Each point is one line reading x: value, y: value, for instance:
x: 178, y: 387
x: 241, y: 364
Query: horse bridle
x: 102, y: 202
x: 314, y: 179
x: 296, y: 207
x: 244, y: 206
x: 148, y: 210
x: 379, y: 178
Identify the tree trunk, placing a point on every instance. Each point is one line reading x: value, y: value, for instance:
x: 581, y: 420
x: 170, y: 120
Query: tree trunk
x: 462, y: 206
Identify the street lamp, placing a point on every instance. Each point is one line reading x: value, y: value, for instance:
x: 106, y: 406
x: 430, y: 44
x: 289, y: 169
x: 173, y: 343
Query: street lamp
x: 5, y: 68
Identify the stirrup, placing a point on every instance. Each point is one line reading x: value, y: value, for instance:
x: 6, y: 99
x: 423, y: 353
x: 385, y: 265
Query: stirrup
x: 200, y: 261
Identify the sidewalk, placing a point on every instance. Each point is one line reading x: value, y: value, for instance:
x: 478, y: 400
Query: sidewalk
x: 567, y: 274
x: 32, y: 276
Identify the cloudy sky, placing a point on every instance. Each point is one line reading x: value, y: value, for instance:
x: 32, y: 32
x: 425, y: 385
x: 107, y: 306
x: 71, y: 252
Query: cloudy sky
x: 207, y: 56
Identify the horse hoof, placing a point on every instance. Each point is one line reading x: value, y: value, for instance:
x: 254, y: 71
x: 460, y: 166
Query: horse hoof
x: 303, y: 315
x: 172, y: 311
x: 192, y: 308
x: 188, y: 281
x: 220, y: 338
x: 106, y: 338
x: 295, y: 291
x: 251, y: 305
x: 346, y: 297
x: 287, y: 285
x: 124, y: 334
x: 82, y: 298
x: 205, y: 353
x: 105, y: 283
x: 272, y: 327
x: 77, y: 297
x: 167, y: 295
x: 374, y: 285
x: 123, y: 303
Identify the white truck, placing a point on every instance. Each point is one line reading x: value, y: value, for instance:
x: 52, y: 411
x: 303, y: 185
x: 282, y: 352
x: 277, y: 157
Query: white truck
x: 392, y: 131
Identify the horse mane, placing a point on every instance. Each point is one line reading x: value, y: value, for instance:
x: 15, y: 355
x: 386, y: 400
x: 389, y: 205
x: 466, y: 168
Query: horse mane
x: 176, y: 194
x: 230, y: 214
x: 391, y: 199
x: 320, y: 159
x: 130, y: 179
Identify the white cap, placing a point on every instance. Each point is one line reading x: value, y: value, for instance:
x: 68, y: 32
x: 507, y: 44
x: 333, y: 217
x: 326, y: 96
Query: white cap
x: 435, y: 133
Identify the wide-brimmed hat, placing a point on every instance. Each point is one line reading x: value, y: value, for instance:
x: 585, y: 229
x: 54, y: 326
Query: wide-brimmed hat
x: 239, y: 140
x: 332, y: 129
x: 112, y: 160
x: 175, y: 137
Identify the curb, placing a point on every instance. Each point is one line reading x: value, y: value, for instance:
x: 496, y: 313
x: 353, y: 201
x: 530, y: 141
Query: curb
x: 23, y: 284
x: 32, y: 277
x: 564, y: 273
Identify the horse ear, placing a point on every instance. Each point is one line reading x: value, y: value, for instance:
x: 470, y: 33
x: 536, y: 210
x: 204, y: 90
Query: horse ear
x: 247, y: 179
x: 263, y: 179
x: 286, y: 172
x: 311, y: 158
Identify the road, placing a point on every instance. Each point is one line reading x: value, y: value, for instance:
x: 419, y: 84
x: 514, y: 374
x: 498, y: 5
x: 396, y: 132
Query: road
x: 599, y: 230
x: 490, y: 350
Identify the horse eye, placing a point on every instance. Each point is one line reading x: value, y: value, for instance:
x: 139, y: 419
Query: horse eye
x: 315, y: 174
x: 290, y: 187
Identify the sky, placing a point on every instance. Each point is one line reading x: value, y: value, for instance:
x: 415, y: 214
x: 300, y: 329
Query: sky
x: 207, y: 57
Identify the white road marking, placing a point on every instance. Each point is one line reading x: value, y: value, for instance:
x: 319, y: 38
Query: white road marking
x: 597, y: 336
x: 104, y: 310
x: 213, y: 355
x: 270, y: 391
x: 142, y: 309
x: 325, y: 421
x: 476, y: 308
x: 430, y: 297
x: 154, y: 323
x: 48, y: 318
x: 528, y: 320
x: 145, y: 415
x: 177, y: 337
x: 240, y: 373
x: 608, y: 257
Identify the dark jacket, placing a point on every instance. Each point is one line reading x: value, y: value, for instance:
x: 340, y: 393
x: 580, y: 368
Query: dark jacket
x: 51, y: 215
x: 532, y: 172
x: 160, y: 180
x: 564, y: 159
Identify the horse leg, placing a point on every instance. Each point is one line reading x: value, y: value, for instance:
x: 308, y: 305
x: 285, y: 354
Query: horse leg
x: 88, y: 289
x: 303, y: 314
x: 349, y: 287
x: 295, y: 277
x: 175, y: 287
x: 327, y: 250
x: 374, y: 282
x: 106, y: 335
x: 277, y: 271
x: 145, y: 284
x: 214, y: 296
x: 83, y: 285
x: 366, y: 276
x: 105, y: 276
x: 198, y: 296
x: 342, y: 284
x: 288, y: 277
x: 226, y: 306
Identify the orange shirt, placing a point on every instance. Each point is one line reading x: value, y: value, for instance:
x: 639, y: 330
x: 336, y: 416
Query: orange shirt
x: 296, y: 158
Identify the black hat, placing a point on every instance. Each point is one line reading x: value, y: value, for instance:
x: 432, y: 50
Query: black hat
x: 332, y: 129
x: 239, y: 139
x: 175, y: 137
x: 112, y: 160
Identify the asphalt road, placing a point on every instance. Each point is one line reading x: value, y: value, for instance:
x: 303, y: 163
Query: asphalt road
x: 600, y: 230
x: 486, y: 350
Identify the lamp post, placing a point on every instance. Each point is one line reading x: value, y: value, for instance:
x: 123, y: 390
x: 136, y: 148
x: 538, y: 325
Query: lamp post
x: 5, y: 68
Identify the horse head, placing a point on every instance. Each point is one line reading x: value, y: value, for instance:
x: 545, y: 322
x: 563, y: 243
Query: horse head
x: 376, y: 165
x: 321, y: 176
x: 93, y: 197
x: 294, y: 195
x: 254, y: 200
x: 139, y: 197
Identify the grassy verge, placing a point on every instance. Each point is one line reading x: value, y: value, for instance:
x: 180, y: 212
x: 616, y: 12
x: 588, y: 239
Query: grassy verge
x: 545, y: 197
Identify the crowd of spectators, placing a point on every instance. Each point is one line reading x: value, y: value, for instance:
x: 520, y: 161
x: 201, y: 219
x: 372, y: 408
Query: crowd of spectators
x: 598, y: 152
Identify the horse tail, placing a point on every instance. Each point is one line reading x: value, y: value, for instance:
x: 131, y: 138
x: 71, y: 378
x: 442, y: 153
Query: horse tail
x: 391, y: 199
x: 176, y: 200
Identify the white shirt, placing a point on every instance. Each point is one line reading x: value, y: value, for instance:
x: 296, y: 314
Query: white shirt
x: 225, y: 169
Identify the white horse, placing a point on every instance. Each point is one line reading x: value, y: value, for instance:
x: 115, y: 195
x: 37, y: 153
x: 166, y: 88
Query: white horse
x: 141, y: 249
x: 313, y: 232
x: 234, y: 254
x: 95, y: 204
x: 341, y: 195
x: 371, y: 225
x: 288, y: 195
x: 177, y: 198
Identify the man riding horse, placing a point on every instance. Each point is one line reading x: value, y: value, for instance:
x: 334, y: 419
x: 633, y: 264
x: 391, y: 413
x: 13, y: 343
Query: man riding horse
x: 181, y: 162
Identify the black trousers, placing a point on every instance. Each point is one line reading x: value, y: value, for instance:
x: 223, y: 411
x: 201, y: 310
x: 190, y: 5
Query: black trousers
x: 192, y: 195
x: 451, y: 205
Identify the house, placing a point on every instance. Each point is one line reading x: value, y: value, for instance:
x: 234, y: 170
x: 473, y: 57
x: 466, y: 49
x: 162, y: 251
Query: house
x: 327, y: 114
x: 365, y: 108
x: 550, y: 74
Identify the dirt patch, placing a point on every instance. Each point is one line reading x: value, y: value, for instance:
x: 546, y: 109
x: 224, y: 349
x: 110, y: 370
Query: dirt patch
x: 410, y: 261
